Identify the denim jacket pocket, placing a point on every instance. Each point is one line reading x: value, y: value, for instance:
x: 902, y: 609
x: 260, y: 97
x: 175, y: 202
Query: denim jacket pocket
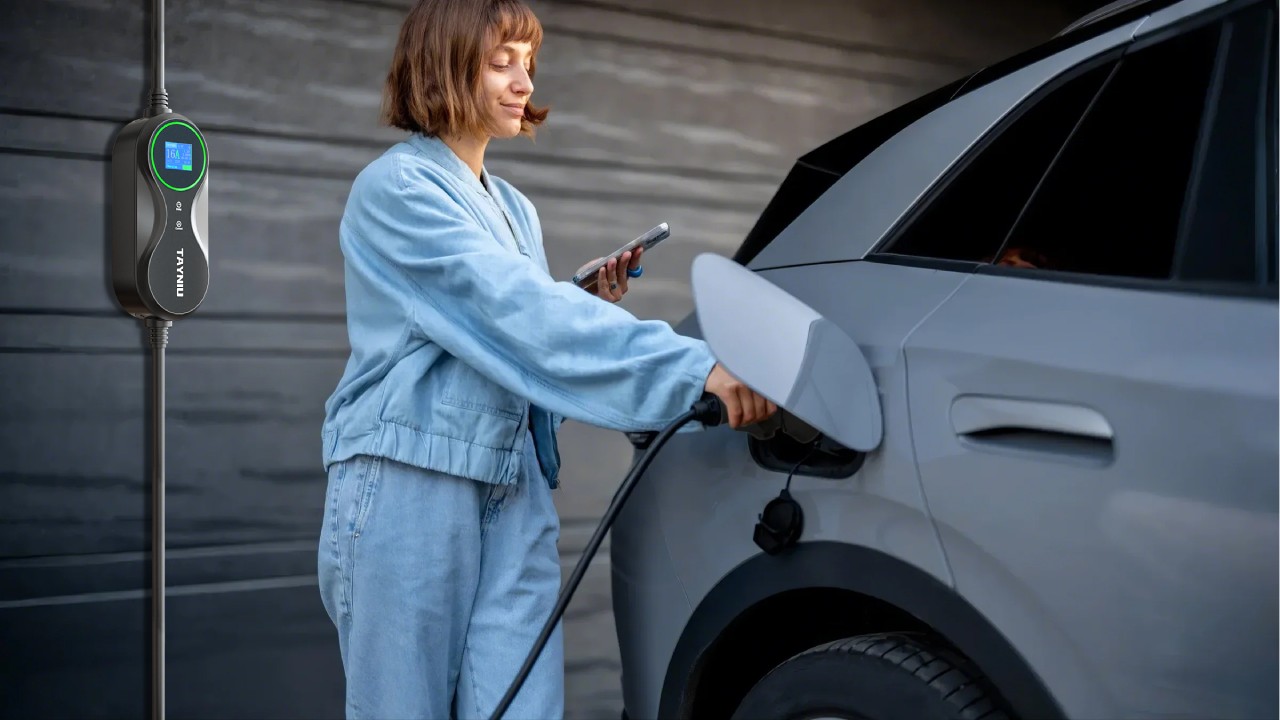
x: 468, y: 389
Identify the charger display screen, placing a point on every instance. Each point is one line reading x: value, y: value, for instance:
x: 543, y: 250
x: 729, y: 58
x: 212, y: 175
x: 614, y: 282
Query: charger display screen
x: 177, y: 156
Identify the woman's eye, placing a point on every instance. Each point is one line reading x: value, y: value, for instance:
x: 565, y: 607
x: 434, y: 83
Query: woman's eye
x: 498, y: 66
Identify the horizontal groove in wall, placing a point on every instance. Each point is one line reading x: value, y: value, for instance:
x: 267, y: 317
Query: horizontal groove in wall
x: 275, y: 583
x: 745, y: 59
x: 709, y: 24
x: 171, y: 553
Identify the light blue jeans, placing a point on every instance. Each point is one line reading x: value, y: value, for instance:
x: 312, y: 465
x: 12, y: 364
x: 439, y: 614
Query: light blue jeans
x: 438, y: 586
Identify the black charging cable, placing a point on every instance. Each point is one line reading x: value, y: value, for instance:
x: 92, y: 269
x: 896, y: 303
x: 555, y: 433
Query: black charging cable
x: 159, y: 96
x: 708, y: 411
x: 158, y: 335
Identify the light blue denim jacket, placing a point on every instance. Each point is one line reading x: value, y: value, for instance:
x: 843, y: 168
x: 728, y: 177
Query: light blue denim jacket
x: 461, y: 340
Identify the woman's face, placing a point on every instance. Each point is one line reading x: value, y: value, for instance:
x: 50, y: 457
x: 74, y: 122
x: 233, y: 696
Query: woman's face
x: 507, y: 85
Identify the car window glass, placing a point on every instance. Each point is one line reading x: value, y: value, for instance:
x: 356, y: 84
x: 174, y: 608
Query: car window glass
x: 1112, y: 201
x: 971, y: 214
x: 1222, y: 234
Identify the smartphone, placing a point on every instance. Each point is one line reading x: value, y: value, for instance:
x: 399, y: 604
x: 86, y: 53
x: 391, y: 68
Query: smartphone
x: 587, y: 277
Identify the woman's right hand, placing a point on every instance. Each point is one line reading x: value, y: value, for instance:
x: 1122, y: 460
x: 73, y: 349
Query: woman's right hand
x: 745, y: 406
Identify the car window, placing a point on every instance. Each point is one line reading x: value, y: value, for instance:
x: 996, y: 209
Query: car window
x: 1112, y: 201
x: 969, y: 215
x: 1225, y: 226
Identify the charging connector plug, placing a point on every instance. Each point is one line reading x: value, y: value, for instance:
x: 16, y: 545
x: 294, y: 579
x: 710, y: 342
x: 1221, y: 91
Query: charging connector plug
x: 710, y: 411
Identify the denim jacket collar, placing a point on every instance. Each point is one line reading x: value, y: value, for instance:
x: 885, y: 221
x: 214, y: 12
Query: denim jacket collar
x: 435, y: 149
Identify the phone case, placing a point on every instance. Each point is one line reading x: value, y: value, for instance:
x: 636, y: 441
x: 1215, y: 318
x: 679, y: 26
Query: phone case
x: 647, y: 240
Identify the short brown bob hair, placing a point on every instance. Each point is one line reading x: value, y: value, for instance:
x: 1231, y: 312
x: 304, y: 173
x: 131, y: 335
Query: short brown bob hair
x: 435, y: 83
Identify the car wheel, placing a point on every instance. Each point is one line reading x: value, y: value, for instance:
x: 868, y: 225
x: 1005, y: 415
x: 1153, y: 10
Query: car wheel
x: 873, y: 677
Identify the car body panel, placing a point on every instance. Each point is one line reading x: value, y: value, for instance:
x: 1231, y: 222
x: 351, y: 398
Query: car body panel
x: 1049, y: 535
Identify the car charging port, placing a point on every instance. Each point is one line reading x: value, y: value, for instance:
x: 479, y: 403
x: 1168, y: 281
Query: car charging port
x: 785, y: 443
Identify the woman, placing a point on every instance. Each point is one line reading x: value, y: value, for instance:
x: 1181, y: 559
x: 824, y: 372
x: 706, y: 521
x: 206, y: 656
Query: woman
x: 437, y: 560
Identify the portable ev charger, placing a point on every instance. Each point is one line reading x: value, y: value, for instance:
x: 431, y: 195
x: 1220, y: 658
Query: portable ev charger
x: 159, y: 272
x: 159, y: 198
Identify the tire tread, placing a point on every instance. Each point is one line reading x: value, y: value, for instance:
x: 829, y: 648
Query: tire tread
x: 959, y: 683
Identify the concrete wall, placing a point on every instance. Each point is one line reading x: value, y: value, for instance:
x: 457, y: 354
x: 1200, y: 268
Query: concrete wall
x: 686, y: 112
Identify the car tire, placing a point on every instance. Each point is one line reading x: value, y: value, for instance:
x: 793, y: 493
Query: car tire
x: 884, y: 676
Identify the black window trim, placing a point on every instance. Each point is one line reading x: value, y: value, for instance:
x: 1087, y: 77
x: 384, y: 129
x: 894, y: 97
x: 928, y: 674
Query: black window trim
x: 1266, y: 293
x: 1215, y: 288
x: 1260, y: 291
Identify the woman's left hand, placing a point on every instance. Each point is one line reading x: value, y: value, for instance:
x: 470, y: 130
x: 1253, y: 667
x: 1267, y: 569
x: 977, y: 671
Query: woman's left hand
x: 611, y: 281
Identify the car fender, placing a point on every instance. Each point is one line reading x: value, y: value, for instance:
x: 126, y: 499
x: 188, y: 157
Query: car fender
x: 869, y: 572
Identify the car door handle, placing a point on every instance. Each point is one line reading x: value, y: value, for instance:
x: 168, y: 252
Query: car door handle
x: 972, y: 414
x: 1060, y: 429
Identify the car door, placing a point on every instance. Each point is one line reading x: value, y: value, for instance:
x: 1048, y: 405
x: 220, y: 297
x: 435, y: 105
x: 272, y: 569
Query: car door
x: 1095, y: 424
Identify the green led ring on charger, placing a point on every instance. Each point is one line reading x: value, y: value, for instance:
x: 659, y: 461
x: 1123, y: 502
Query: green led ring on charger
x: 151, y: 155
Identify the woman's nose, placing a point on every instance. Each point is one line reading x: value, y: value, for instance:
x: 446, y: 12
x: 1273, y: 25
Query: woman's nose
x: 523, y: 83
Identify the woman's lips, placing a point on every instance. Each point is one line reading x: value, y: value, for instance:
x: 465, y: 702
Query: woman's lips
x: 515, y: 110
